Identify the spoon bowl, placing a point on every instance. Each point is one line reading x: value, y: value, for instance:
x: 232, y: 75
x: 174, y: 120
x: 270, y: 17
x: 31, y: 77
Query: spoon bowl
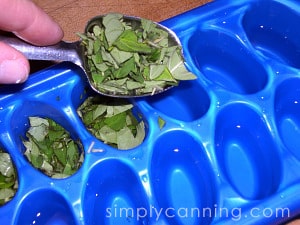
x: 74, y: 52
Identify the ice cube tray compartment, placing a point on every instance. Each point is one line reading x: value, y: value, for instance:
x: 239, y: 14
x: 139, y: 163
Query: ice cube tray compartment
x: 244, y: 146
x: 270, y: 27
x: 220, y: 57
x: 229, y: 143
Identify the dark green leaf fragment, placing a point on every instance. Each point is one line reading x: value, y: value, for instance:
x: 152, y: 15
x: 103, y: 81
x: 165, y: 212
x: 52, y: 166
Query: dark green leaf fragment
x: 116, y: 122
x: 161, y: 122
x: 127, y: 68
x: 128, y: 42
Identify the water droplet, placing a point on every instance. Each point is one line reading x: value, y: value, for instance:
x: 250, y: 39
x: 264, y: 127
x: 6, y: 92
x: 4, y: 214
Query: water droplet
x: 145, y: 178
x: 176, y: 150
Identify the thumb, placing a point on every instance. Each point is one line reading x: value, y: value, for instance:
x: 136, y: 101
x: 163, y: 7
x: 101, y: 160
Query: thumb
x: 14, y: 67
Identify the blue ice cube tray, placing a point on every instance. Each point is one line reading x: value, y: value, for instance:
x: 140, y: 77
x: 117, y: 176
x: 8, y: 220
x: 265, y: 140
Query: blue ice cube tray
x: 229, y: 151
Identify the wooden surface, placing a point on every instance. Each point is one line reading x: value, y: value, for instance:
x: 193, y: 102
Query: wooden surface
x: 72, y: 15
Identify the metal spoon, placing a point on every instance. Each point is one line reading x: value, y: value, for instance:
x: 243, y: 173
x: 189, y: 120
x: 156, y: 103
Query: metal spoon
x: 74, y: 52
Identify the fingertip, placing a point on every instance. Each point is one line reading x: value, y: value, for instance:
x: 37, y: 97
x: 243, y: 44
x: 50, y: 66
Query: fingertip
x: 14, y: 67
x: 13, y: 71
x: 29, y: 22
x: 57, y: 34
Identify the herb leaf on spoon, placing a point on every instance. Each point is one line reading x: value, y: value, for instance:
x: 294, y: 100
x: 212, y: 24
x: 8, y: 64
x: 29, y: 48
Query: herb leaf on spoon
x: 132, y: 57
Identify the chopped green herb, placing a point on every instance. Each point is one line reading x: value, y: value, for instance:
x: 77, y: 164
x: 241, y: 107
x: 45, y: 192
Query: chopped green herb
x: 137, y: 53
x: 112, y: 121
x: 161, y: 122
x: 8, y: 178
x: 50, y: 148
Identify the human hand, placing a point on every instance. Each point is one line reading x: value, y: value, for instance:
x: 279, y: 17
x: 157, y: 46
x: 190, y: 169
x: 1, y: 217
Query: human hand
x: 295, y: 222
x: 30, y: 23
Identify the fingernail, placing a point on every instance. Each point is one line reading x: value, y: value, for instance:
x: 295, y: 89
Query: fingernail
x: 13, y: 71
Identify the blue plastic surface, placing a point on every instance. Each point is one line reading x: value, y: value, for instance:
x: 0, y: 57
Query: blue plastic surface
x: 228, y: 153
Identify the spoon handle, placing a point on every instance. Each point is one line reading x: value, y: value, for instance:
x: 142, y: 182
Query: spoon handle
x: 62, y: 51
